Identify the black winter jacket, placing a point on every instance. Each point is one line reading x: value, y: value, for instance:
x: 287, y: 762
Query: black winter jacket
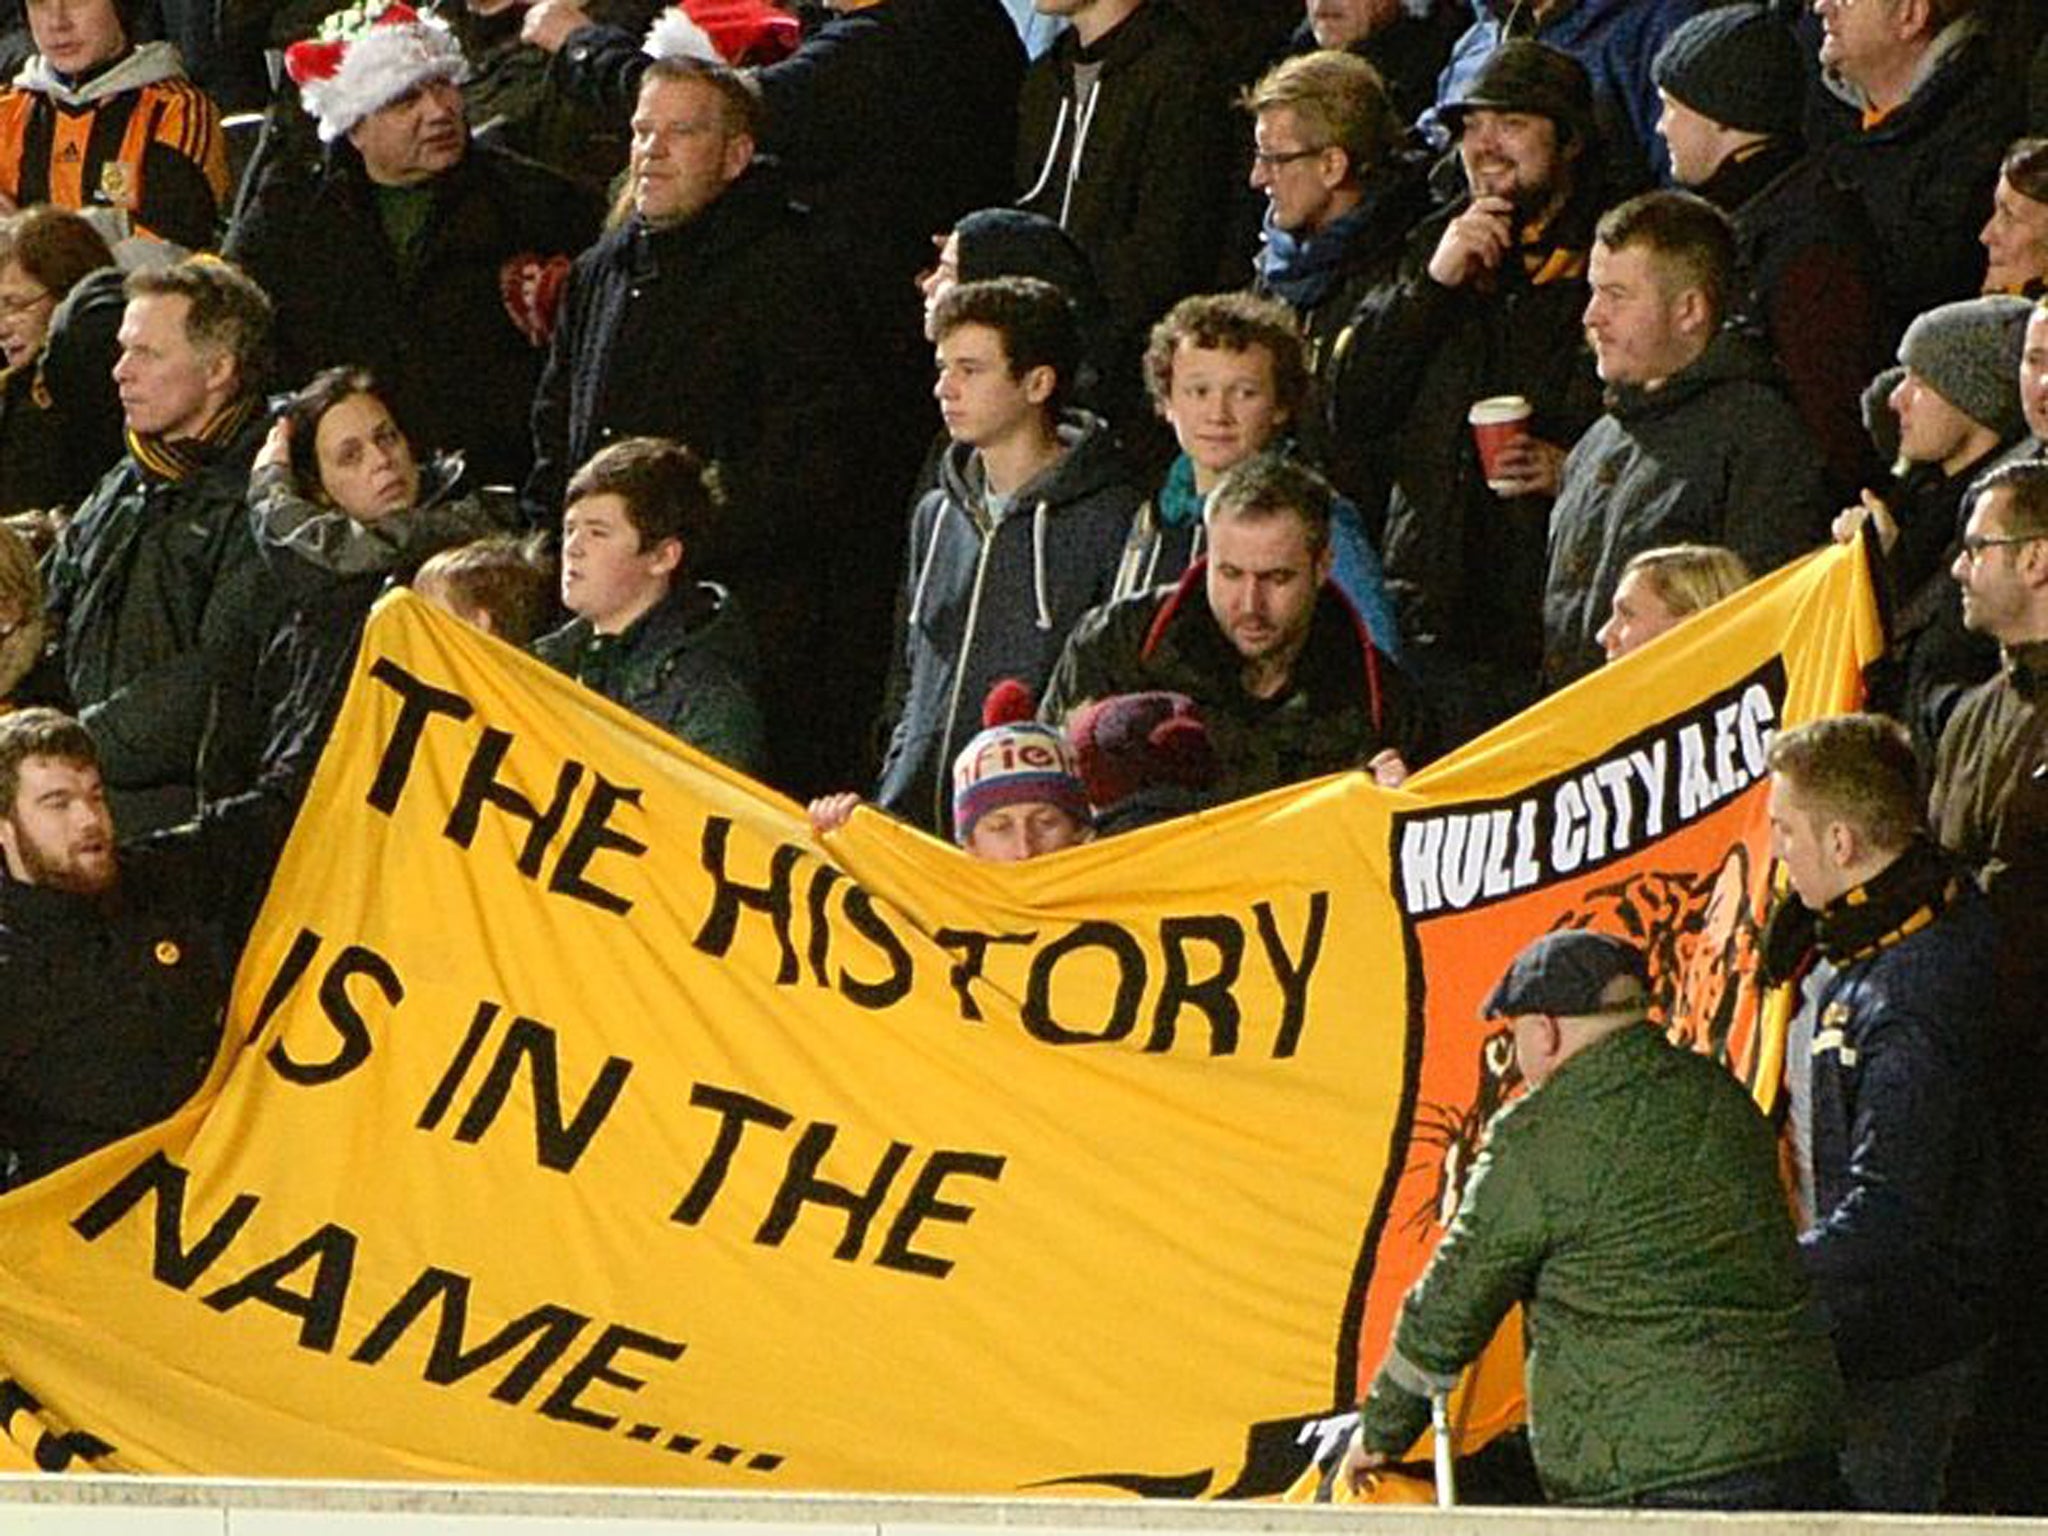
x: 1714, y: 455
x: 1466, y: 566
x: 453, y: 365
x: 1345, y: 702
x: 110, y: 1006
x: 1926, y: 171
x: 163, y: 608
x: 720, y: 333
x: 1135, y: 169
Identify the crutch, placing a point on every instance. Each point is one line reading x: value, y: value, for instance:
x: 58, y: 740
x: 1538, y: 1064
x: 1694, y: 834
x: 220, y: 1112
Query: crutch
x: 1443, y: 1448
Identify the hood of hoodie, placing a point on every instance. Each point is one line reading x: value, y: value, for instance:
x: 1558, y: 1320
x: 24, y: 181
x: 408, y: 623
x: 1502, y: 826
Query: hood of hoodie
x: 144, y: 65
x: 1949, y: 42
x: 1130, y: 39
x: 1091, y: 463
x: 1732, y: 357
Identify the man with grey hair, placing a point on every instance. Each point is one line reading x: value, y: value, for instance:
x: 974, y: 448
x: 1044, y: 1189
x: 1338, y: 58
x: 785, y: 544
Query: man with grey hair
x: 1674, y: 1362
x: 155, y: 589
x: 428, y: 257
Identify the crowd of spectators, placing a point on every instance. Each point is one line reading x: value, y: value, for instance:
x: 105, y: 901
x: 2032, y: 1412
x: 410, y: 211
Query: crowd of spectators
x: 1253, y: 389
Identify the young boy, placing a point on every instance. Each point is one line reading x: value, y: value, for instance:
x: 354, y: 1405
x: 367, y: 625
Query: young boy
x: 1227, y: 371
x: 671, y: 649
x: 1019, y: 538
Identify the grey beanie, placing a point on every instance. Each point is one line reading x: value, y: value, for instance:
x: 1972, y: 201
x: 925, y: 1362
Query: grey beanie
x: 1969, y: 354
x: 1740, y: 66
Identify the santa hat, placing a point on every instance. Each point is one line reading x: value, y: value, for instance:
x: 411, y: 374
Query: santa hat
x: 738, y: 33
x: 1015, y: 761
x: 367, y: 57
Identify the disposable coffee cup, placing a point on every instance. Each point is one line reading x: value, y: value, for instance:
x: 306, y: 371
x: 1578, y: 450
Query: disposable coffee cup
x: 1497, y: 423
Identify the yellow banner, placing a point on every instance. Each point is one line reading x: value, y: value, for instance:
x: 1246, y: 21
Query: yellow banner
x: 580, y: 1118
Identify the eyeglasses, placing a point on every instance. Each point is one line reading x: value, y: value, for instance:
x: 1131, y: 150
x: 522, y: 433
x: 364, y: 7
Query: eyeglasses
x: 14, y: 305
x: 1974, y: 544
x: 1272, y: 157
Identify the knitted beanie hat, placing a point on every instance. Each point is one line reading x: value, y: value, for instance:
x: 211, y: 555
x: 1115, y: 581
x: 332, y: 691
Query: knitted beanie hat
x: 1015, y: 761
x: 1136, y: 741
x: 1969, y: 354
x: 739, y: 33
x: 1739, y: 65
x: 363, y: 59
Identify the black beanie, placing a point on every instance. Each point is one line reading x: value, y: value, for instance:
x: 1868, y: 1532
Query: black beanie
x: 1738, y: 65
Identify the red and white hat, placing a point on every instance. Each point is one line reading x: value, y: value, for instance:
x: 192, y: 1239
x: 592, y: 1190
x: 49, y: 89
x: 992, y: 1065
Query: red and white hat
x: 739, y: 33
x: 367, y: 57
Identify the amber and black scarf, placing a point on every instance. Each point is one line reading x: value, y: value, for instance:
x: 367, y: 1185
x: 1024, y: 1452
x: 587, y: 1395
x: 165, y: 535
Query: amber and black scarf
x: 1900, y: 900
x: 180, y: 460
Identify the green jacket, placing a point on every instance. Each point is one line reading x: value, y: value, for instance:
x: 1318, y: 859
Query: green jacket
x: 687, y: 665
x: 1632, y: 1205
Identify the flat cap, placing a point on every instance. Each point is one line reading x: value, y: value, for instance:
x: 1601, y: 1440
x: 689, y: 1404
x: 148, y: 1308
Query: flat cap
x: 1572, y: 974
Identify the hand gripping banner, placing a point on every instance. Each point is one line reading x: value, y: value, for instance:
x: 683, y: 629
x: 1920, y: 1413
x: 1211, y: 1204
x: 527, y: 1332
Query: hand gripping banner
x: 580, y: 1118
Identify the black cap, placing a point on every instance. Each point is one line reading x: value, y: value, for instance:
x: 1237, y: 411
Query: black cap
x: 1569, y: 973
x: 1738, y: 65
x: 1525, y: 76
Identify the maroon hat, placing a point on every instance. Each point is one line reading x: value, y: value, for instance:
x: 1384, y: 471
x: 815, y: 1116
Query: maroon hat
x: 1136, y: 741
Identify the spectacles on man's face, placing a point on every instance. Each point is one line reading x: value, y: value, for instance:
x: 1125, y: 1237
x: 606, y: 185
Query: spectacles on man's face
x: 1974, y: 544
x: 15, y: 304
x: 1272, y: 157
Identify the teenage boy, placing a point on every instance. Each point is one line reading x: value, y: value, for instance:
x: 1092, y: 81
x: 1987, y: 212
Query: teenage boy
x: 646, y: 635
x: 1229, y: 374
x: 1019, y: 538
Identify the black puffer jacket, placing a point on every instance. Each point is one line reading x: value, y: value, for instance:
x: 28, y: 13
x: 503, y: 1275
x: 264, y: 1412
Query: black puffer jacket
x: 1925, y: 172
x: 1713, y: 456
x: 990, y: 596
x: 453, y: 365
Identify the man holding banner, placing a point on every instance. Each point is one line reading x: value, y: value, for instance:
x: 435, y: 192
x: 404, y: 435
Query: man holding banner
x: 1675, y: 1358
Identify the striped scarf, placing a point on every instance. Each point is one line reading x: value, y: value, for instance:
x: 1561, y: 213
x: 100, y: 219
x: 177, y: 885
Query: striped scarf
x: 184, y: 458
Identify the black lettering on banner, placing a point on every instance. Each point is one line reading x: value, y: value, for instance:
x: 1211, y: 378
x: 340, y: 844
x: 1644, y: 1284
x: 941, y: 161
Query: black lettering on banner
x: 1212, y: 994
x: 558, y: 1143
x: 481, y: 786
x: 353, y: 1047
x: 730, y: 897
x: 736, y: 1112
x: 418, y: 702
x: 923, y: 1204
x: 970, y: 948
x: 819, y: 950
x: 1292, y: 972
x: 892, y: 988
x: 1130, y: 986
x: 592, y: 835
x: 331, y: 1250
x: 546, y: 1333
x: 436, y: 1107
x: 54, y: 1450
x: 596, y: 1366
x: 297, y: 961
x: 171, y: 1262
x: 803, y: 1185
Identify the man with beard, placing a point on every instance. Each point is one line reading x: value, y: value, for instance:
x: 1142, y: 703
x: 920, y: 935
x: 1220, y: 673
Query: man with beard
x: 115, y: 963
x: 1486, y: 302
